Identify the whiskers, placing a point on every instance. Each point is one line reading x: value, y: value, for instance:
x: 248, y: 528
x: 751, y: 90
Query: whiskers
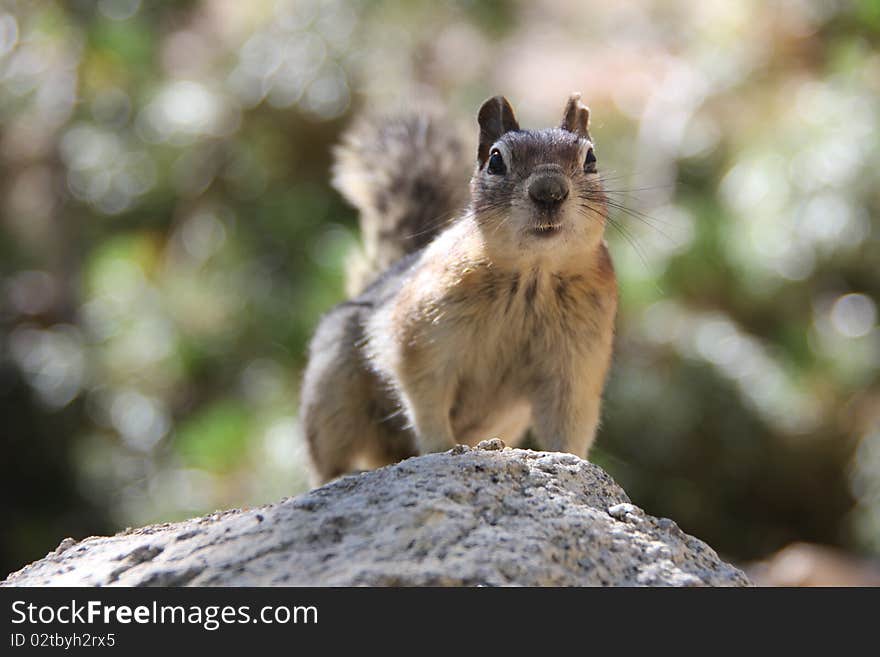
x: 434, y: 226
x: 606, y: 197
x: 624, y: 232
x: 495, y: 210
x: 604, y: 200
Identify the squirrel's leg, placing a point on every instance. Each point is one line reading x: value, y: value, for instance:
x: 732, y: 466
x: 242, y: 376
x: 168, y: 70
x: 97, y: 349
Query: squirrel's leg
x: 566, y: 417
x: 337, y: 432
x: 338, y: 400
x: 428, y: 401
x: 330, y: 451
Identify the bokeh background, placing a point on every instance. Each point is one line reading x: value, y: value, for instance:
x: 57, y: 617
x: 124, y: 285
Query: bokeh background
x: 168, y: 240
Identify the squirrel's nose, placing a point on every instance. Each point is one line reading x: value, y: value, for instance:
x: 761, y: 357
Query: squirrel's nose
x: 548, y: 189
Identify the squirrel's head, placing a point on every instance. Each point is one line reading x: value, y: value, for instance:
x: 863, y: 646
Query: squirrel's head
x: 537, y: 189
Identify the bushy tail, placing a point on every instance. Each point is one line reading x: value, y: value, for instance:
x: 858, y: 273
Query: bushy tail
x: 408, y: 177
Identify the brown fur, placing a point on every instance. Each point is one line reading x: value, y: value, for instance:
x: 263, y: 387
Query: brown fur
x: 504, y: 321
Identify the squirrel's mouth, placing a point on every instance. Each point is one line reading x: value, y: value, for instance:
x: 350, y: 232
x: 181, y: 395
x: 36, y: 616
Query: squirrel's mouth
x: 546, y: 229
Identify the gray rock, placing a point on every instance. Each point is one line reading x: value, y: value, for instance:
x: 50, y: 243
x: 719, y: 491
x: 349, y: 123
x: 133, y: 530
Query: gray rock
x: 485, y: 516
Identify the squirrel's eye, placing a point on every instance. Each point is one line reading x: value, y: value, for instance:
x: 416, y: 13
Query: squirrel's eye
x: 496, y: 164
x: 590, y: 162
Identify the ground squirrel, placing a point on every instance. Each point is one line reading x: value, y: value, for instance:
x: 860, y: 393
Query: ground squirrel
x: 499, y: 320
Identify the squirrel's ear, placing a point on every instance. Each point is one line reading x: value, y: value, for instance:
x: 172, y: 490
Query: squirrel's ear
x: 576, y: 118
x: 495, y: 118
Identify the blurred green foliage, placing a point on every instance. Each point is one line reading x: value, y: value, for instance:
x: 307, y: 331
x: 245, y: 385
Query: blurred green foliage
x: 168, y: 240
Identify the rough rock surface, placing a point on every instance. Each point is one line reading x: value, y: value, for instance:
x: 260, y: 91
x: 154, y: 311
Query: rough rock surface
x: 484, y: 516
